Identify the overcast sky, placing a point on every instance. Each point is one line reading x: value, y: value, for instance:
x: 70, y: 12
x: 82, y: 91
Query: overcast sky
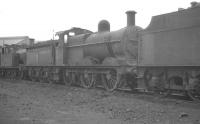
x: 38, y: 18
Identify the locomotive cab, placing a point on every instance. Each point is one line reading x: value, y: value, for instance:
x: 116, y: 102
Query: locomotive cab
x: 66, y: 53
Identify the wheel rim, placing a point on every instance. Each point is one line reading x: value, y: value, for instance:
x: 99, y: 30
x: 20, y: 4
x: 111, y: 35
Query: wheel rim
x: 110, y: 81
x: 87, y: 80
x: 68, y: 78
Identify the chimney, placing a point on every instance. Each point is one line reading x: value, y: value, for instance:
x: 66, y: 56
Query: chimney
x: 130, y: 18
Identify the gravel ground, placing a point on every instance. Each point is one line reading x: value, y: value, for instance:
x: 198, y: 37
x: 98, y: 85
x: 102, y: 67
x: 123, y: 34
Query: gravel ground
x: 25, y: 102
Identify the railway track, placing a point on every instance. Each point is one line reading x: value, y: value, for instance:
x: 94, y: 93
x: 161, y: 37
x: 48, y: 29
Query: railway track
x: 173, y: 96
x: 184, y: 97
x: 162, y: 95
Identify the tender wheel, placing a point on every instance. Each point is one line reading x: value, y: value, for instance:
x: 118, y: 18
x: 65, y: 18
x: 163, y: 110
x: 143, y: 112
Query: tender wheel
x: 1, y: 73
x: 13, y: 74
x: 33, y: 76
x: 87, y: 80
x: 76, y: 79
x: 50, y: 77
x: 194, y: 92
x: 110, y: 80
x: 9, y: 74
x: 147, y: 79
x: 20, y: 75
x: 67, y: 78
x: 43, y: 76
x: 97, y: 80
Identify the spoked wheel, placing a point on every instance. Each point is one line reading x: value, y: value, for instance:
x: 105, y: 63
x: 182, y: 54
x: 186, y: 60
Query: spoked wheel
x: 122, y: 82
x: 194, y: 95
x: 8, y: 74
x: 67, y: 78
x: 20, y: 75
x: 87, y: 80
x: 147, y: 79
x: 97, y: 80
x: 13, y: 74
x: 125, y: 83
x: 50, y: 77
x: 43, y: 76
x: 110, y: 80
x: 131, y: 80
x: 2, y: 73
x: 32, y: 75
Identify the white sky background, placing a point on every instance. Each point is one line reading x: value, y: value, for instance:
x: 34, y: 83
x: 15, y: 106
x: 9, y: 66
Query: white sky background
x: 38, y: 18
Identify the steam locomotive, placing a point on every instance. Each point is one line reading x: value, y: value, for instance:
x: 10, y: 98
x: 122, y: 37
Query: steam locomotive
x: 164, y: 57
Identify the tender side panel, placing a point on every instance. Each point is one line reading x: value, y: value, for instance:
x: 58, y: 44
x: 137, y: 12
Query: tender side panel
x: 175, y: 46
x: 32, y: 57
x: 59, y: 56
x: 41, y: 56
x: 45, y: 56
x: 9, y: 59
